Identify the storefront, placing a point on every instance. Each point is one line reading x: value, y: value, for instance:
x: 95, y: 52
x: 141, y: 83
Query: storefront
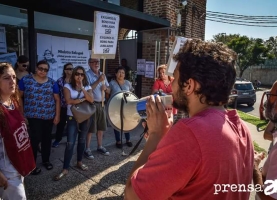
x: 43, y: 29
x: 40, y: 29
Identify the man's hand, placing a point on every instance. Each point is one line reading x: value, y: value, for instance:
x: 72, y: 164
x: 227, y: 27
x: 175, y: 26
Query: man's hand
x: 3, y: 181
x: 103, y: 87
x: 101, y: 78
x: 158, y: 121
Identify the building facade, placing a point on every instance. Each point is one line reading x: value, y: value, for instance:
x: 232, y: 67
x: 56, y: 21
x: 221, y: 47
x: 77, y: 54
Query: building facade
x: 46, y: 28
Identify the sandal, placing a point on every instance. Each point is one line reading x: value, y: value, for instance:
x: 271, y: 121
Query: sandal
x: 60, y: 176
x: 47, y: 165
x: 36, y: 171
x: 82, y: 167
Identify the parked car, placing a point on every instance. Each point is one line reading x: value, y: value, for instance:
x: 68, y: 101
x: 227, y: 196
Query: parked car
x: 244, y: 92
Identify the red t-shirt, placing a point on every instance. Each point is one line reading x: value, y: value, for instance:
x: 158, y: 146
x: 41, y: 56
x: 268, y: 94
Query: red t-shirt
x: 159, y: 84
x: 210, y: 148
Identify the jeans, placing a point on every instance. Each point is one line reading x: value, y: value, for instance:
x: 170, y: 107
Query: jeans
x: 61, y: 124
x: 72, y: 132
x: 117, y: 136
x: 40, y: 131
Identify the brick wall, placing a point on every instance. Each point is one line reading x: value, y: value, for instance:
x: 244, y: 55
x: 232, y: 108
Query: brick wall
x: 193, y: 19
x: 192, y: 25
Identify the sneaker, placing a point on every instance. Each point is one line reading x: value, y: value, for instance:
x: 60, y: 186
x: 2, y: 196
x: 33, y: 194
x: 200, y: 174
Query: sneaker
x: 103, y: 151
x: 88, y: 154
x: 55, y: 144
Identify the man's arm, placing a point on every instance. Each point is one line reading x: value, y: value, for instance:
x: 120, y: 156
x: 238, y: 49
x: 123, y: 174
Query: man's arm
x: 257, y: 176
x: 158, y: 126
x: 149, y: 148
x: 94, y: 85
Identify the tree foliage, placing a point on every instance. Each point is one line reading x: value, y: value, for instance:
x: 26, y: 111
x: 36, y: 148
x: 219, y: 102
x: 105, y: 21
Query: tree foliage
x: 250, y: 51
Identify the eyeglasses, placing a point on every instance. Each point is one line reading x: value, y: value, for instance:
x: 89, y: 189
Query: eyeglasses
x: 42, y: 69
x: 24, y: 65
x: 79, y: 74
x: 96, y: 62
x: 69, y: 69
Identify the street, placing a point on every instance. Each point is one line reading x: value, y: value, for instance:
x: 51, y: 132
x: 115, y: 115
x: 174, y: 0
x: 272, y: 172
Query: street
x: 255, y: 109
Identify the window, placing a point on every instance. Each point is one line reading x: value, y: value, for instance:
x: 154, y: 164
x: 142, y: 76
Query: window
x: 13, y: 33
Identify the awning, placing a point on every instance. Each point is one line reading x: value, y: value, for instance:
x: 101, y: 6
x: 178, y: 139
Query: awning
x: 129, y: 18
x: 84, y: 10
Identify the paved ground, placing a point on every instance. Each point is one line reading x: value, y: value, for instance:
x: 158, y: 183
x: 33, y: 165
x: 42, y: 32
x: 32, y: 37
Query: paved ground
x: 105, y: 178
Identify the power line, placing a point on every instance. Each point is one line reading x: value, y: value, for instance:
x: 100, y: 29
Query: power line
x: 239, y: 23
x: 250, y: 22
x: 254, y: 16
x: 242, y: 18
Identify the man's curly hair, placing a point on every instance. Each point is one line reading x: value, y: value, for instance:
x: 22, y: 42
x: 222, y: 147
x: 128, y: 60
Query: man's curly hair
x: 211, y: 65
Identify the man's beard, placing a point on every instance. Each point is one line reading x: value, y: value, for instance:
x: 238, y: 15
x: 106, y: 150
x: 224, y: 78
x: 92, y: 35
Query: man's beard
x: 180, y: 101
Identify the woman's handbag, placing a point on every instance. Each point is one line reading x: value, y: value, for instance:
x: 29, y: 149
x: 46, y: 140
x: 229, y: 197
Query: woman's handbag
x: 82, y: 111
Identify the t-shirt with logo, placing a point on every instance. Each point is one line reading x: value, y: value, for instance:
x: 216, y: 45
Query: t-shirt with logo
x: 39, y: 99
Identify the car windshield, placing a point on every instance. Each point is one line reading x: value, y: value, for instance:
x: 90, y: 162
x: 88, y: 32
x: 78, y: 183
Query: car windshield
x: 244, y: 86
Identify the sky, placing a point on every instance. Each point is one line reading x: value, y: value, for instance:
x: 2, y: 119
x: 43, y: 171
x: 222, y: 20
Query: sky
x: 241, y: 7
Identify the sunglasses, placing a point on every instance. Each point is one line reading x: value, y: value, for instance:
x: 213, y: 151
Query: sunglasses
x: 79, y: 74
x: 24, y: 65
x: 42, y: 69
x: 69, y: 69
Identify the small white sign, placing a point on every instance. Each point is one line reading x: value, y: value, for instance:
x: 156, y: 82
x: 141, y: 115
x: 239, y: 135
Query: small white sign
x: 3, y: 42
x: 105, y: 35
x: 140, y: 66
x: 178, y: 43
x: 149, y: 69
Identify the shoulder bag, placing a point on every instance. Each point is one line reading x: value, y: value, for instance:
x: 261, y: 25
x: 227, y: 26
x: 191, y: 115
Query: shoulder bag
x: 82, y: 111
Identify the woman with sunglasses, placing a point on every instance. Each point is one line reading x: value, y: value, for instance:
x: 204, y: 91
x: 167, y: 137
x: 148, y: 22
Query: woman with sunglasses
x: 77, y: 91
x: 21, y: 67
x: 67, y: 72
x: 16, y: 156
x: 42, y: 109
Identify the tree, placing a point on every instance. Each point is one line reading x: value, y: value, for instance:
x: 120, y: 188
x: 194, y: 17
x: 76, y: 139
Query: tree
x: 250, y: 51
x: 271, y: 44
x: 222, y: 37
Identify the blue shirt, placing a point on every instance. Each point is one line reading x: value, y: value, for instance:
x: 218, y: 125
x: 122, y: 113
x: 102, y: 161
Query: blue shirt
x: 39, y: 99
x: 97, y: 92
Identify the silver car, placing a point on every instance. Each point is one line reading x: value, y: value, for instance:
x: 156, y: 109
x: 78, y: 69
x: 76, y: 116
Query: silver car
x: 244, y: 92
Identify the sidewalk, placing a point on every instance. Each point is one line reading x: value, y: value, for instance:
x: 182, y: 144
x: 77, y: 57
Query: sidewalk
x: 106, y: 176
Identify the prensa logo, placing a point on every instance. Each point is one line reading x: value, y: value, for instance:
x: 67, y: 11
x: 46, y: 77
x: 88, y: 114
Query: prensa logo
x: 21, y: 136
x: 270, y: 187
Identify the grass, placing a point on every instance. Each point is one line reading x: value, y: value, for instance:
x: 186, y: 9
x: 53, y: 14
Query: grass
x: 260, y: 124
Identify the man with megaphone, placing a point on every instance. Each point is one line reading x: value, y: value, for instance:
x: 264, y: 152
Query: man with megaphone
x: 198, y: 156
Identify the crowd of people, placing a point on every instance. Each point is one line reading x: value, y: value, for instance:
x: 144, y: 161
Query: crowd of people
x: 209, y: 148
x: 32, y: 103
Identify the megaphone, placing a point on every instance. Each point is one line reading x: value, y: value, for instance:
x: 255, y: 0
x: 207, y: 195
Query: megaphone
x: 126, y: 107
